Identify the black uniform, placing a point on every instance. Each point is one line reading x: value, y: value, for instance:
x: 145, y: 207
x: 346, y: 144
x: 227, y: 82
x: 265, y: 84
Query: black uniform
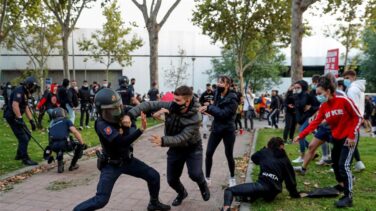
x: 153, y: 94
x: 126, y: 93
x: 182, y: 136
x: 16, y: 123
x: 84, y: 95
x: 117, y: 150
x: 275, y: 167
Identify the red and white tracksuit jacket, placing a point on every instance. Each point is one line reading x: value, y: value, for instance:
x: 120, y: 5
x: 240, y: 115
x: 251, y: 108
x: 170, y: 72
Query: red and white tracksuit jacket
x: 340, y: 114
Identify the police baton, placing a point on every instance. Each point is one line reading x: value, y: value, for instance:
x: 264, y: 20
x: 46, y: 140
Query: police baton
x: 29, y: 134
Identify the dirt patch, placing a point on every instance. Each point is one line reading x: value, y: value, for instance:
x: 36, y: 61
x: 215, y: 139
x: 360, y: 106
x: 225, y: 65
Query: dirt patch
x: 59, y: 185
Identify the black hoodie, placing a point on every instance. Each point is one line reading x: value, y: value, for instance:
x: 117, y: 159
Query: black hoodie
x: 275, y: 167
x: 302, y: 100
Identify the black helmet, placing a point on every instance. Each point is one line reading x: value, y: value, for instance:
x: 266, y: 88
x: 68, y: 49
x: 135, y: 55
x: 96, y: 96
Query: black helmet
x: 123, y: 81
x: 31, y: 84
x: 109, y: 105
x: 58, y: 113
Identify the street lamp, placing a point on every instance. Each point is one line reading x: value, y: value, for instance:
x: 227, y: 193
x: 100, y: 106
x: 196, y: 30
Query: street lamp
x: 193, y: 72
x: 85, y: 61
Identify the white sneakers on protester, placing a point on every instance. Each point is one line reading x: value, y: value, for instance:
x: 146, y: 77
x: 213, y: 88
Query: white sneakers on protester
x: 359, y: 166
x: 231, y: 182
x: 298, y: 160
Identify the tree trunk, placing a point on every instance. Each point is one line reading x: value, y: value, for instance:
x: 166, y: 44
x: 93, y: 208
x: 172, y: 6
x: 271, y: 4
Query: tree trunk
x: 297, y: 31
x: 153, y: 42
x: 240, y: 73
x: 65, y: 56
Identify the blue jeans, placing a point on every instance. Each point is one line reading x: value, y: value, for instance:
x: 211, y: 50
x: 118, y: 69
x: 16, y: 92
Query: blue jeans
x: 72, y: 115
x: 303, y: 143
x: 108, y: 177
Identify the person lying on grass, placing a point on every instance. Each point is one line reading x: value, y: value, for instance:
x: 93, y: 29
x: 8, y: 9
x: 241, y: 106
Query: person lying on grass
x: 275, y: 167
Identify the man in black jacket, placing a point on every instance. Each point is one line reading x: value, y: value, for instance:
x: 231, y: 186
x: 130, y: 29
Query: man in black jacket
x: 275, y: 167
x: 84, y: 95
x: 274, y: 109
x: 182, y: 136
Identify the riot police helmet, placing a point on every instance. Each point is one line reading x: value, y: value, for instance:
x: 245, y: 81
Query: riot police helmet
x: 123, y: 81
x: 31, y: 84
x: 109, y: 105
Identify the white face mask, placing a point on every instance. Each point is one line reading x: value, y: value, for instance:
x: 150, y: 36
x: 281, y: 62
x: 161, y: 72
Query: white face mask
x: 104, y: 85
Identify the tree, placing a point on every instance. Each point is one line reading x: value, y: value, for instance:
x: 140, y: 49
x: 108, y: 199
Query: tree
x: 153, y: 27
x: 67, y: 13
x: 263, y: 74
x: 109, y: 45
x: 177, y: 76
x: 368, y: 65
x: 38, y: 37
x: 239, y: 24
x: 11, y: 14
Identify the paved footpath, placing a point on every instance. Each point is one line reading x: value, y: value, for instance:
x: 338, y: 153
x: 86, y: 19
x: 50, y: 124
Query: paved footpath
x: 53, y: 191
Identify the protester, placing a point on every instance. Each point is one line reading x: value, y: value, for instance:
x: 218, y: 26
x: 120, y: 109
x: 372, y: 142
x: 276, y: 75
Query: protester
x: 275, y: 168
x: 274, y: 109
x: 72, y: 100
x: 153, y: 93
x: 238, y: 118
x: 206, y: 98
x: 224, y: 111
x: 290, y: 116
x: 50, y: 102
x: 262, y: 106
x: 367, y: 113
x: 84, y: 96
x: 41, y: 106
x: 344, y: 120
x: 249, y: 109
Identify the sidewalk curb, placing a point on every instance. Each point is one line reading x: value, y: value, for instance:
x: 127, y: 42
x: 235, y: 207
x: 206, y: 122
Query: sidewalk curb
x: 44, y: 163
x: 244, y: 206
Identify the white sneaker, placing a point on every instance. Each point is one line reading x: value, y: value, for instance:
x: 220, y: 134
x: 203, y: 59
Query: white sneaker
x: 208, y: 181
x: 231, y: 182
x: 300, y: 170
x: 359, y: 166
x: 87, y: 126
x: 298, y: 160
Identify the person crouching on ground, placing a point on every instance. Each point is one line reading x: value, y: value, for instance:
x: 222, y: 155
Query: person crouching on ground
x: 275, y: 167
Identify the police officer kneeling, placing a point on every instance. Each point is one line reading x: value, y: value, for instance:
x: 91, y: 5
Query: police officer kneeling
x: 60, y: 142
x: 117, y: 152
x: 17, y: 106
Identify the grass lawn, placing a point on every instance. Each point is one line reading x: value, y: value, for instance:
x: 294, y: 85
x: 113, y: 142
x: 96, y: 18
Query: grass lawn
x: 364, y: 186
x: 8, y: 142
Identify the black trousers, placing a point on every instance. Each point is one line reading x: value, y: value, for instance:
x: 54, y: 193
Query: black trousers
x: 248, y: 115
x: 290, y: 125
x: 176, y: 158
x: 272, y: 118
x: 228, y: 141
x: 59, y: 147
x: 253, y: 190
x: 108, y: 177
x: 22, y: 137
x: 238, y: 121
x: 342, y: 156
x: 85, y: 112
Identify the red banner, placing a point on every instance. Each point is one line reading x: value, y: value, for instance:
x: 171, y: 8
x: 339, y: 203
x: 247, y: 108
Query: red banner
x: 332, y: 60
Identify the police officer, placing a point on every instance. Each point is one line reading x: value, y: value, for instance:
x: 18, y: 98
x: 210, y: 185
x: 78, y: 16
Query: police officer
x: 182, y: 136
x: 126, y: 92
x: 17, y: 106
x: 60, y: 141
x: 117, y: 152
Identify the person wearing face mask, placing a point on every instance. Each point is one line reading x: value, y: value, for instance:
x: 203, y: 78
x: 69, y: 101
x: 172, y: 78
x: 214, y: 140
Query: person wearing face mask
x: 224, y: 112
x: 305, y: 107
x: 206, y: 99
x: 182, y: 136
x: 50, y: 101
x: 344, y: 119
x: 84, y: 96
x: 117, y: 157
x: 290, y: 118
x: 126, y: 92
x: 355, y: 91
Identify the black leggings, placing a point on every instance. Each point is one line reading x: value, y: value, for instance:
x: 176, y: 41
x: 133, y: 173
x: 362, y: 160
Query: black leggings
x: 290, y: 125
x: 252, y: 190
x: 229, y: 141
x: 238, y: 121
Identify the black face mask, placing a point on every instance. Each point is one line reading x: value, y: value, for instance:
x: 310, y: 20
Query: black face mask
x: 220, y: 89
x: 176, y: 108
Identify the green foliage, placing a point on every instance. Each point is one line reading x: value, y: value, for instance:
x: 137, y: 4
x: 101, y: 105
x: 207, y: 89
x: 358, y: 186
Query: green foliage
x: 364, y: 185
x: 109, y: 45
x: 368, y: 65
x: 38, y: 36
x: 264, y: 72
x: 240, y: 24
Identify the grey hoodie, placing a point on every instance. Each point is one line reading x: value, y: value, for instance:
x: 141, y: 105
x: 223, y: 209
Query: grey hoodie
x: 356, y: 93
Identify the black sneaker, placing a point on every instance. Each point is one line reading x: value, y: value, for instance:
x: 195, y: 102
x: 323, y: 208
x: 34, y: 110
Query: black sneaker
x: 345, y: 201
x: 29, y: 162
x: 158, y: 206
x: 60, y: 166
x: 205, y: 192
x: 72, y: 168
x: 179, y: 199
